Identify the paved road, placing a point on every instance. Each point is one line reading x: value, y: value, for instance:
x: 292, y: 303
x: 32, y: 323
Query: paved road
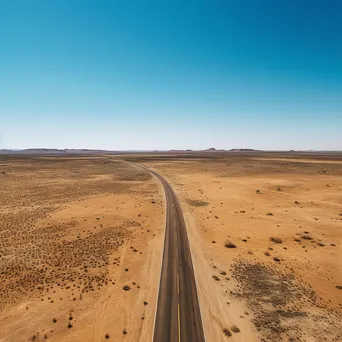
x: 178, y: 316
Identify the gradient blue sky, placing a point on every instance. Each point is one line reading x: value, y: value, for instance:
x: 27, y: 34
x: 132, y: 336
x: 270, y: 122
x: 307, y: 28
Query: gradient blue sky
x: 128, y: 74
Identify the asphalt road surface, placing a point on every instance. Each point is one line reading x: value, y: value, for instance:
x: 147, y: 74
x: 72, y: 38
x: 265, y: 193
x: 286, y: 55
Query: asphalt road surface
x: 178, y: 316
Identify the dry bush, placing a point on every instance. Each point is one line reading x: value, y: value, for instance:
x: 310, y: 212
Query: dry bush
x: 276, y: 239
x: 235, y: 329
x: 226, y: 332
x: 229, y: 244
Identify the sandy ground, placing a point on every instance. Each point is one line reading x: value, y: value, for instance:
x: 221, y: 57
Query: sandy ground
x: 74, y: 232
x: 283, y: 279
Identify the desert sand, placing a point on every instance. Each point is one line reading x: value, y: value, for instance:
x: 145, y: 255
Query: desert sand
x: 266, y: 241
x: 82, y: 242
x: 80, y: 249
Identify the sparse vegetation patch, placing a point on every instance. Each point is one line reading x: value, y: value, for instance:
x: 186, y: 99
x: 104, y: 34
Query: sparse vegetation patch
x: 277, y: 299
x: 197, y: 203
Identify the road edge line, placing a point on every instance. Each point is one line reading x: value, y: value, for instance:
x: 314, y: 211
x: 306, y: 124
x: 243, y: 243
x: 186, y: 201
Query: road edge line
x: 162, y: 258
x: 192, y: 261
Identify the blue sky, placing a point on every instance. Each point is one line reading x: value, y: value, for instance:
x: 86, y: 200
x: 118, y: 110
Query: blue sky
x: 171, y: 74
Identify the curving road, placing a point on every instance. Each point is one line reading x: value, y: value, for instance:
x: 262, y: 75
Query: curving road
x: 178, y: 316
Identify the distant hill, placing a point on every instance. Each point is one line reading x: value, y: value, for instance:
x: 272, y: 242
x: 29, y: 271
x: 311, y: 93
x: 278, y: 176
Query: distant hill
x: 213, y: 149
x: 244, y: 150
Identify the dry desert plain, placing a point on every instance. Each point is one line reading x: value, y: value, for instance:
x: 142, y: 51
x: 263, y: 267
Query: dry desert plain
x: 82, y: 240
x: 80, y: 249
x: 283, y: 215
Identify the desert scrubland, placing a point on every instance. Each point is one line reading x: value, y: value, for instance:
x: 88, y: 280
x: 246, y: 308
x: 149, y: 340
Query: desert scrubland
x: 80, y: 249
x: 266, y: 240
